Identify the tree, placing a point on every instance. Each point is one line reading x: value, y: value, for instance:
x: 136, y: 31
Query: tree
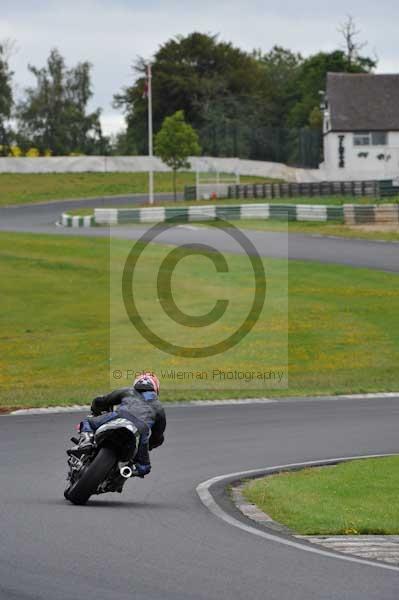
x: 53, y: 115
x: 280, y: 83
x: 351, y: 46
x: 196, y: 74
x: 312, y: 77
x: 316, y: 118
x: 175, y: 142
x: 6, y: 99
x: 247, y: 105
x: 121, y: 145
x: 312, y: 74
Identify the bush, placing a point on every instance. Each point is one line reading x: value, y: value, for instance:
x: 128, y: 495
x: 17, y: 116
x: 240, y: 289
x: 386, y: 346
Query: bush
x: 15, y: 151
x: 32, y: 153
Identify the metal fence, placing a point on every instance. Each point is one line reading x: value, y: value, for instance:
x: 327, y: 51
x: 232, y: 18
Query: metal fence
x: 297, y: 147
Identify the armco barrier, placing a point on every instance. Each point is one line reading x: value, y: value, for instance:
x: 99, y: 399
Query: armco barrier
x: 350, y: 214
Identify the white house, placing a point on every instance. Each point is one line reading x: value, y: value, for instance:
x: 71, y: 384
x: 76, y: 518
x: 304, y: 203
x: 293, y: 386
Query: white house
x: 361, y: 127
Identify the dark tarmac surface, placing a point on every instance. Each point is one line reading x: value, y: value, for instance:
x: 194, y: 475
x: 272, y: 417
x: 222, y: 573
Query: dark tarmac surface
x: 41, y: 218
x: 157, y: 540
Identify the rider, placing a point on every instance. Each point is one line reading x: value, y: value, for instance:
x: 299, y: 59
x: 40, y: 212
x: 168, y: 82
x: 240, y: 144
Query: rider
x: 140, y: 404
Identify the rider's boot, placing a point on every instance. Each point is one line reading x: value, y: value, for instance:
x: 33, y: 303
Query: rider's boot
x: 84, y: 444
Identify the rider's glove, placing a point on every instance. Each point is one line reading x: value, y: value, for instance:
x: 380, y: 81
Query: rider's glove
x: 142, y: 470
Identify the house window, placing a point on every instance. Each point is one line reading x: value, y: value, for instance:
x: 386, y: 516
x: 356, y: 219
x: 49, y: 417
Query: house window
x: 379, y: 138
x: 370, y: 138
x: 361, y: 139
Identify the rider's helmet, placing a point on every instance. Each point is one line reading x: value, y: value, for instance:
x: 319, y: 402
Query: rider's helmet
x: 146, y: 382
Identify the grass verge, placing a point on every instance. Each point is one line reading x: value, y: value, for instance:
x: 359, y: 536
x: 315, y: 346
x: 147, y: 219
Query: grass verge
x: 358, y: 497
x: 20, y: 188
x: 343, y: 322
x: 323, y: 200
x: 360, y: 232
x: 330, y: 228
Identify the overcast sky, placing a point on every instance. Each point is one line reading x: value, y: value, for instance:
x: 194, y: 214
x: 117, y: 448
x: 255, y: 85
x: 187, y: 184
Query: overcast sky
x: 111, y: 33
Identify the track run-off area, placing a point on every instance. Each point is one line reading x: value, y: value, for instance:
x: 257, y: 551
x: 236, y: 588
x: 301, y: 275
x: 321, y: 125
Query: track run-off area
x: 158, y: 540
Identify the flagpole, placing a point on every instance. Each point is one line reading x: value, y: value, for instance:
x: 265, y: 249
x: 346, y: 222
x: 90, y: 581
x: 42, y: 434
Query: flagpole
x: 150, y: 147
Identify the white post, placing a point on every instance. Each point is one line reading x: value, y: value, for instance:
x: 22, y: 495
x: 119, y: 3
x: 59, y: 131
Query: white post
x: 238, y: 173
x: 197, y: 181
x: 150, y: 148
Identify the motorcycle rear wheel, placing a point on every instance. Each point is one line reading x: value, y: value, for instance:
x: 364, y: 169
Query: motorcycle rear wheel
x: 92, y: 477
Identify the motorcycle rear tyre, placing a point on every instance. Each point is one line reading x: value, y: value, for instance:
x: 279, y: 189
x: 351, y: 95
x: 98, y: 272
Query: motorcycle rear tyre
x: 92, y: 477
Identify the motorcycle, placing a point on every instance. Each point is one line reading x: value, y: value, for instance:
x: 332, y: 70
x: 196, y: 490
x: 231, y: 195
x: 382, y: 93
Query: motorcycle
x: 106, y: 465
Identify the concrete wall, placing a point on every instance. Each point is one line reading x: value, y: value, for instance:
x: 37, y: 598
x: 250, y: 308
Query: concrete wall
x: 356, y: 168
x: 360, y: 167
x: 131, y: 164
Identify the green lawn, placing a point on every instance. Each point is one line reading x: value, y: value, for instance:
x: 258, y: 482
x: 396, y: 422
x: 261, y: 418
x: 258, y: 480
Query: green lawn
x: 20, y: 188
x: 359, y: 497
x: 343, y: 322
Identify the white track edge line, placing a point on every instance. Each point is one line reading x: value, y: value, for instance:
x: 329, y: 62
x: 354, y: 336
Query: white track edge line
x: 207, y: 499
x: 237, y: 401
x: 86, y: 408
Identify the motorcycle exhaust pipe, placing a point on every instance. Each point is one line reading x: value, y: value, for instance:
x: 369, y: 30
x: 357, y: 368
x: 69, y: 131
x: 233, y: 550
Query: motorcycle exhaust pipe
x: 126, y: 472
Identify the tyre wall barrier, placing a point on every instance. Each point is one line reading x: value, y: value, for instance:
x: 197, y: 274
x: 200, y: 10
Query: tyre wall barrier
x: 380, y: 214
x: 294, y: 190
x: 291, y: 212
x: 370, y: 188
x: 349, y: 214
x: 77, y: 221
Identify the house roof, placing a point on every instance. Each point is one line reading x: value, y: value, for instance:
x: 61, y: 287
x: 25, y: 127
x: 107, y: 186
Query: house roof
x: 363, y: 102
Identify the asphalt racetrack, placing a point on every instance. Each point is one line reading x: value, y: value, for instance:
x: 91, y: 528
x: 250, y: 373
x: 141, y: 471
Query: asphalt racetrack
x: 41, y: 218
x: 157, y: 540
